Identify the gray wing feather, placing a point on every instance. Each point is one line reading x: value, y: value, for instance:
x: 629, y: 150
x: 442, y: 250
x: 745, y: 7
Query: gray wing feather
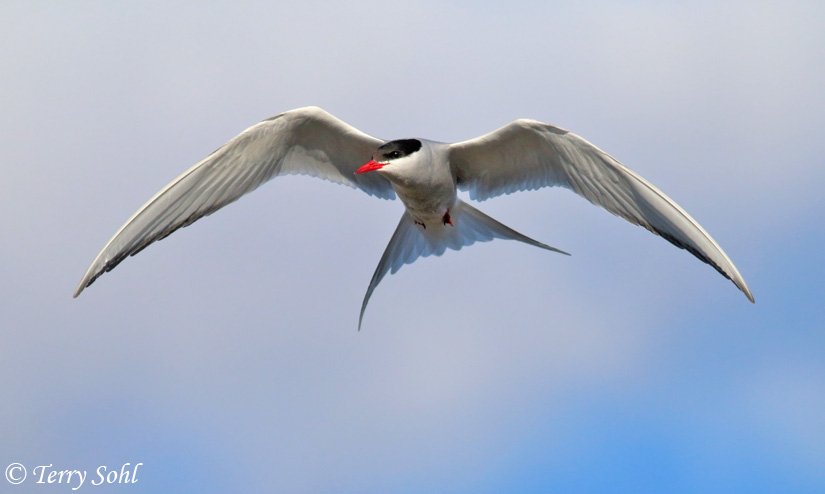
x: 306, y: 141
x: 527, y: 155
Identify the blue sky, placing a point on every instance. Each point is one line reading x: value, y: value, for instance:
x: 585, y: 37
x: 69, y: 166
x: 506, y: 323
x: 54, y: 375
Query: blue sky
x: 226, y: 358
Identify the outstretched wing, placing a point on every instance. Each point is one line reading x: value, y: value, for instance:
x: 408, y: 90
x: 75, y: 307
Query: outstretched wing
x: 306, y: 141
x: 528, y: 155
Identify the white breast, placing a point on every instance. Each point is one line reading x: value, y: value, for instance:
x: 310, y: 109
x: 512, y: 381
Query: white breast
x: 424, y: 183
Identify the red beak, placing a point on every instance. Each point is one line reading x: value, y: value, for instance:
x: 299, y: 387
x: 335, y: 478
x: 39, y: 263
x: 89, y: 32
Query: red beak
x: 368, y: 167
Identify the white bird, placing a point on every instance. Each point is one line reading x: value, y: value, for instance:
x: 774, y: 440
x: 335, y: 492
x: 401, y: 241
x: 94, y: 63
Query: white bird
x: 523, y: 155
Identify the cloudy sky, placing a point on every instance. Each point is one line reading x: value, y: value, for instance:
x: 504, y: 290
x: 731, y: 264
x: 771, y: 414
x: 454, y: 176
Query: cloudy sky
x: 226, y: 358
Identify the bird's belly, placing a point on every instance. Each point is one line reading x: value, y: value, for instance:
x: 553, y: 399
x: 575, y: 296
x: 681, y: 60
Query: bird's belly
x: 427, y: 205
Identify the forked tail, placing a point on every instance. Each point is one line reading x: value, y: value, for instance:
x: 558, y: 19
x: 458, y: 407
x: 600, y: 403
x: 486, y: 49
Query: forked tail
x: 411, y: 241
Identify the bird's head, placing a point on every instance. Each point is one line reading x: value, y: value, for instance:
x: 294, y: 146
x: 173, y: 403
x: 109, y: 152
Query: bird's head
x: 391, y: 156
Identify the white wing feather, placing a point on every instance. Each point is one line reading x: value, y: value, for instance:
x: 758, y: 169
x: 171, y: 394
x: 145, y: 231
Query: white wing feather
x: 306, y: 141
x: 527, y: 155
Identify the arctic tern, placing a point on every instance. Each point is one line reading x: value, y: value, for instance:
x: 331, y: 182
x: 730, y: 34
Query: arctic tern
x: 523, y: 155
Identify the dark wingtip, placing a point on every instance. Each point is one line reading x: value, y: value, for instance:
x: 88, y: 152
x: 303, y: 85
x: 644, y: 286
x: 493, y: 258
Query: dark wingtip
x: 363, y: 309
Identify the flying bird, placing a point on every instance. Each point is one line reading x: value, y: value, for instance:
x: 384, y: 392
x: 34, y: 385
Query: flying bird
x: 425, y: 175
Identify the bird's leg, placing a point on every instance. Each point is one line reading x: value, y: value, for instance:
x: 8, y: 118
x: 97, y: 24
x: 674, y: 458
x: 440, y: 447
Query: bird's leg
x: 446, y: 219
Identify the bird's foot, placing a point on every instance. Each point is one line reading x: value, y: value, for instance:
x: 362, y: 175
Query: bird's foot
x: 447, y: 220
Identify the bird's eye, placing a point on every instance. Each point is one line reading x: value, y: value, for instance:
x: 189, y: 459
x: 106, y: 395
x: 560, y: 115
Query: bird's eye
x: 395, y: 154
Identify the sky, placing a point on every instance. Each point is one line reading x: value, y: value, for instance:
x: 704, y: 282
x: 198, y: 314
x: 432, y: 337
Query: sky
x: 226, y: 358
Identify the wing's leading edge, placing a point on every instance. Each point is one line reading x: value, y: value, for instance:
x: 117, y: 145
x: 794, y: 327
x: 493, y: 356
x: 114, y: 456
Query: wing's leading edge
x: 306, y: 141
x: 527, y: 155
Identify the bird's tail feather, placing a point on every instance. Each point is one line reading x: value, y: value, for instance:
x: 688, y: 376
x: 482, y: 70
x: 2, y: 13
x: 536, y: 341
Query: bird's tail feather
x: 411, y: 241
